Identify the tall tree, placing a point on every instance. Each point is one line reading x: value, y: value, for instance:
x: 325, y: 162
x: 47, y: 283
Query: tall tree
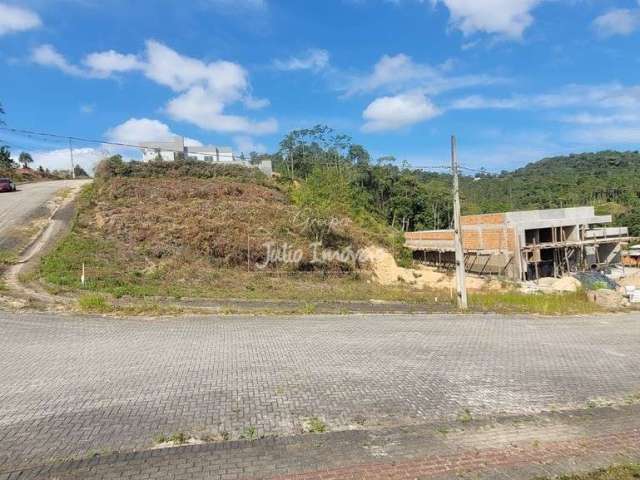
x: 5, y: 158
x: 25, y: 159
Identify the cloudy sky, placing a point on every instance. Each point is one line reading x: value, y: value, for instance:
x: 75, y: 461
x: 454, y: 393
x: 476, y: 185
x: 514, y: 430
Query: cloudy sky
x: 516, y: 80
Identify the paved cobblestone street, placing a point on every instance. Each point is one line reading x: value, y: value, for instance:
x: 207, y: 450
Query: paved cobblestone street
x: 73, y: 387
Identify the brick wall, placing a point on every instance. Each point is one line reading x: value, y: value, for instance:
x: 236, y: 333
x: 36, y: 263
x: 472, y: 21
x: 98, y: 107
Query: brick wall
x: 474, y: 237
x: 430, y: 235
x: 485, y: 219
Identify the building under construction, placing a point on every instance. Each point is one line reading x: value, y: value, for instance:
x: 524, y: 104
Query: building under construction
x: 526, y: 245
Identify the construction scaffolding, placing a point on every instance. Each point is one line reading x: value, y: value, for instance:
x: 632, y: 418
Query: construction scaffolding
x: 527, y: 245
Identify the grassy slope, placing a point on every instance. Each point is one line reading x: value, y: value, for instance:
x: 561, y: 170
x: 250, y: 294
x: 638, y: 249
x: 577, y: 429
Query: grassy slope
x: 159, y: 237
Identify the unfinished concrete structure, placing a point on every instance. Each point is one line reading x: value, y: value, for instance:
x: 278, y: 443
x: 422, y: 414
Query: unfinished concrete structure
x: 528, y: 244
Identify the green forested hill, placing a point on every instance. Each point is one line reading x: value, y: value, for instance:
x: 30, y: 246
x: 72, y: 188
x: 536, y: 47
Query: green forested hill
x: 608, y: 180
x: 410, y: 199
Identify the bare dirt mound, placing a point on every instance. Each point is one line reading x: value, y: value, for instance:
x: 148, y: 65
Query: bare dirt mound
x: 387, y: 272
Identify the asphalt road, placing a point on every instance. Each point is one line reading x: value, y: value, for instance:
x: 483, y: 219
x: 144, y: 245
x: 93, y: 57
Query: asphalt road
x: 18, y: 207
x: 72, y: 385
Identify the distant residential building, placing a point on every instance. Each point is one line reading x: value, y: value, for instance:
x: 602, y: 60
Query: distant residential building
x: 167, y: 151
x: 172, y: 150
x: 210, y: 153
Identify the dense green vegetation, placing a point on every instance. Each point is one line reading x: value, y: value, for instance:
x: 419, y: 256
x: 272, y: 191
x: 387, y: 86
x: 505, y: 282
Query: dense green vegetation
x: 410, y: 199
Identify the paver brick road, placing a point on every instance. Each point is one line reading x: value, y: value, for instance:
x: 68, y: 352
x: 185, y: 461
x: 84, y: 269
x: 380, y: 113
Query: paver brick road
x: 71, y: 385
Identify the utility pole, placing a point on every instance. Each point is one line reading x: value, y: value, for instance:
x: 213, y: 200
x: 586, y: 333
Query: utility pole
x: 457, y: 229
x: 73, y: 167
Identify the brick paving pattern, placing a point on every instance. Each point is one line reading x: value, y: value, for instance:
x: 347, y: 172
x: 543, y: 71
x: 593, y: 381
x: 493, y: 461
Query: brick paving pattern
x: 72, y: 386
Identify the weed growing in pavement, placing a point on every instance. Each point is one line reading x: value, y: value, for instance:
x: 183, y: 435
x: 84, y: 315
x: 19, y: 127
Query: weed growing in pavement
x: 465, y: 416
x: 309, y: 308
x: 632, y: 399
x: 249, y: 433
x: 178, y: 438
x: 315, y: 425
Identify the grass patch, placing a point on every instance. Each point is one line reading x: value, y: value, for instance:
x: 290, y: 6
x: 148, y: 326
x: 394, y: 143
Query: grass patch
x: 616, y: 472
x: 249, y: 433
x: 315, y: 425
x: 465, y: 416
x: 7, y: 257
x: 178, y: 438
x: 114, y: 270
x: 94, y: 304
x: 544, y: 304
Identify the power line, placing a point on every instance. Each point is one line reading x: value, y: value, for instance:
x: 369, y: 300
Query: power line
x: 44, y: 136
x: 73, y: 138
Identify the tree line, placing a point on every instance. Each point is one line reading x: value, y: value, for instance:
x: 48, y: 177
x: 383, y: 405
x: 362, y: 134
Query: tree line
x: 411, y: 199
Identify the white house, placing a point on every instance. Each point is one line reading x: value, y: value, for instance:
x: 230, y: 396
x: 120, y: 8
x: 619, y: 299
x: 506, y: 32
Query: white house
x: 210, y: 153
x: 172, y: 150
x: 166, y: 151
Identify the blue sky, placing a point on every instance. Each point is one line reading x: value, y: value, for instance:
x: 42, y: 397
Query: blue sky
x: 516, y: 80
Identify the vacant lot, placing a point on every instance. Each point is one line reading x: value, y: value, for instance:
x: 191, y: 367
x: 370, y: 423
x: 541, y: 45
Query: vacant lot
x: 175, y: 236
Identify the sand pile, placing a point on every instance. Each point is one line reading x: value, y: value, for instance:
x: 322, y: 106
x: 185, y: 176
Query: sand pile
x: 387, y: 272
x: 566, y: 284
x: 558, y: 285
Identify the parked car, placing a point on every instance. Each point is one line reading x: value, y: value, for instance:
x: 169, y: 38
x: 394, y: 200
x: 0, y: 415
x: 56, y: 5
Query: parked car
x: 6, y: 185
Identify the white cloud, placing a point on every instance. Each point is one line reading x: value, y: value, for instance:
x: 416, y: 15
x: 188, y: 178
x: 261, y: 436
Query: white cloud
x: 399, y: 72
x: 253, y: 103
x: 246, y: 145
x: 137, y: 130
x: 167, y: 67
x: 585, y: 118
x: 104, y: 64
x: 205, y: 89
x: 48, y: 56
x: 600, y: 114
x: 17, y: 19
x: 503, y: 17
x: 201, y: 107
x: 314, y: 60
x: 393, y: 113
x: 614, y: 135
x: 620, y: 21
x: 480, y: 102
x: 606, y: 96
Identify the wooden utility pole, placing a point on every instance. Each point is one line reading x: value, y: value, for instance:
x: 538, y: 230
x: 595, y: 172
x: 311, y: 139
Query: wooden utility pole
x: 457, y: 229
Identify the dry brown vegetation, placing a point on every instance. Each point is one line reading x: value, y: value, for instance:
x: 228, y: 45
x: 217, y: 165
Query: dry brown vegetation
x: 227, y: 222
x: 140, y: 233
